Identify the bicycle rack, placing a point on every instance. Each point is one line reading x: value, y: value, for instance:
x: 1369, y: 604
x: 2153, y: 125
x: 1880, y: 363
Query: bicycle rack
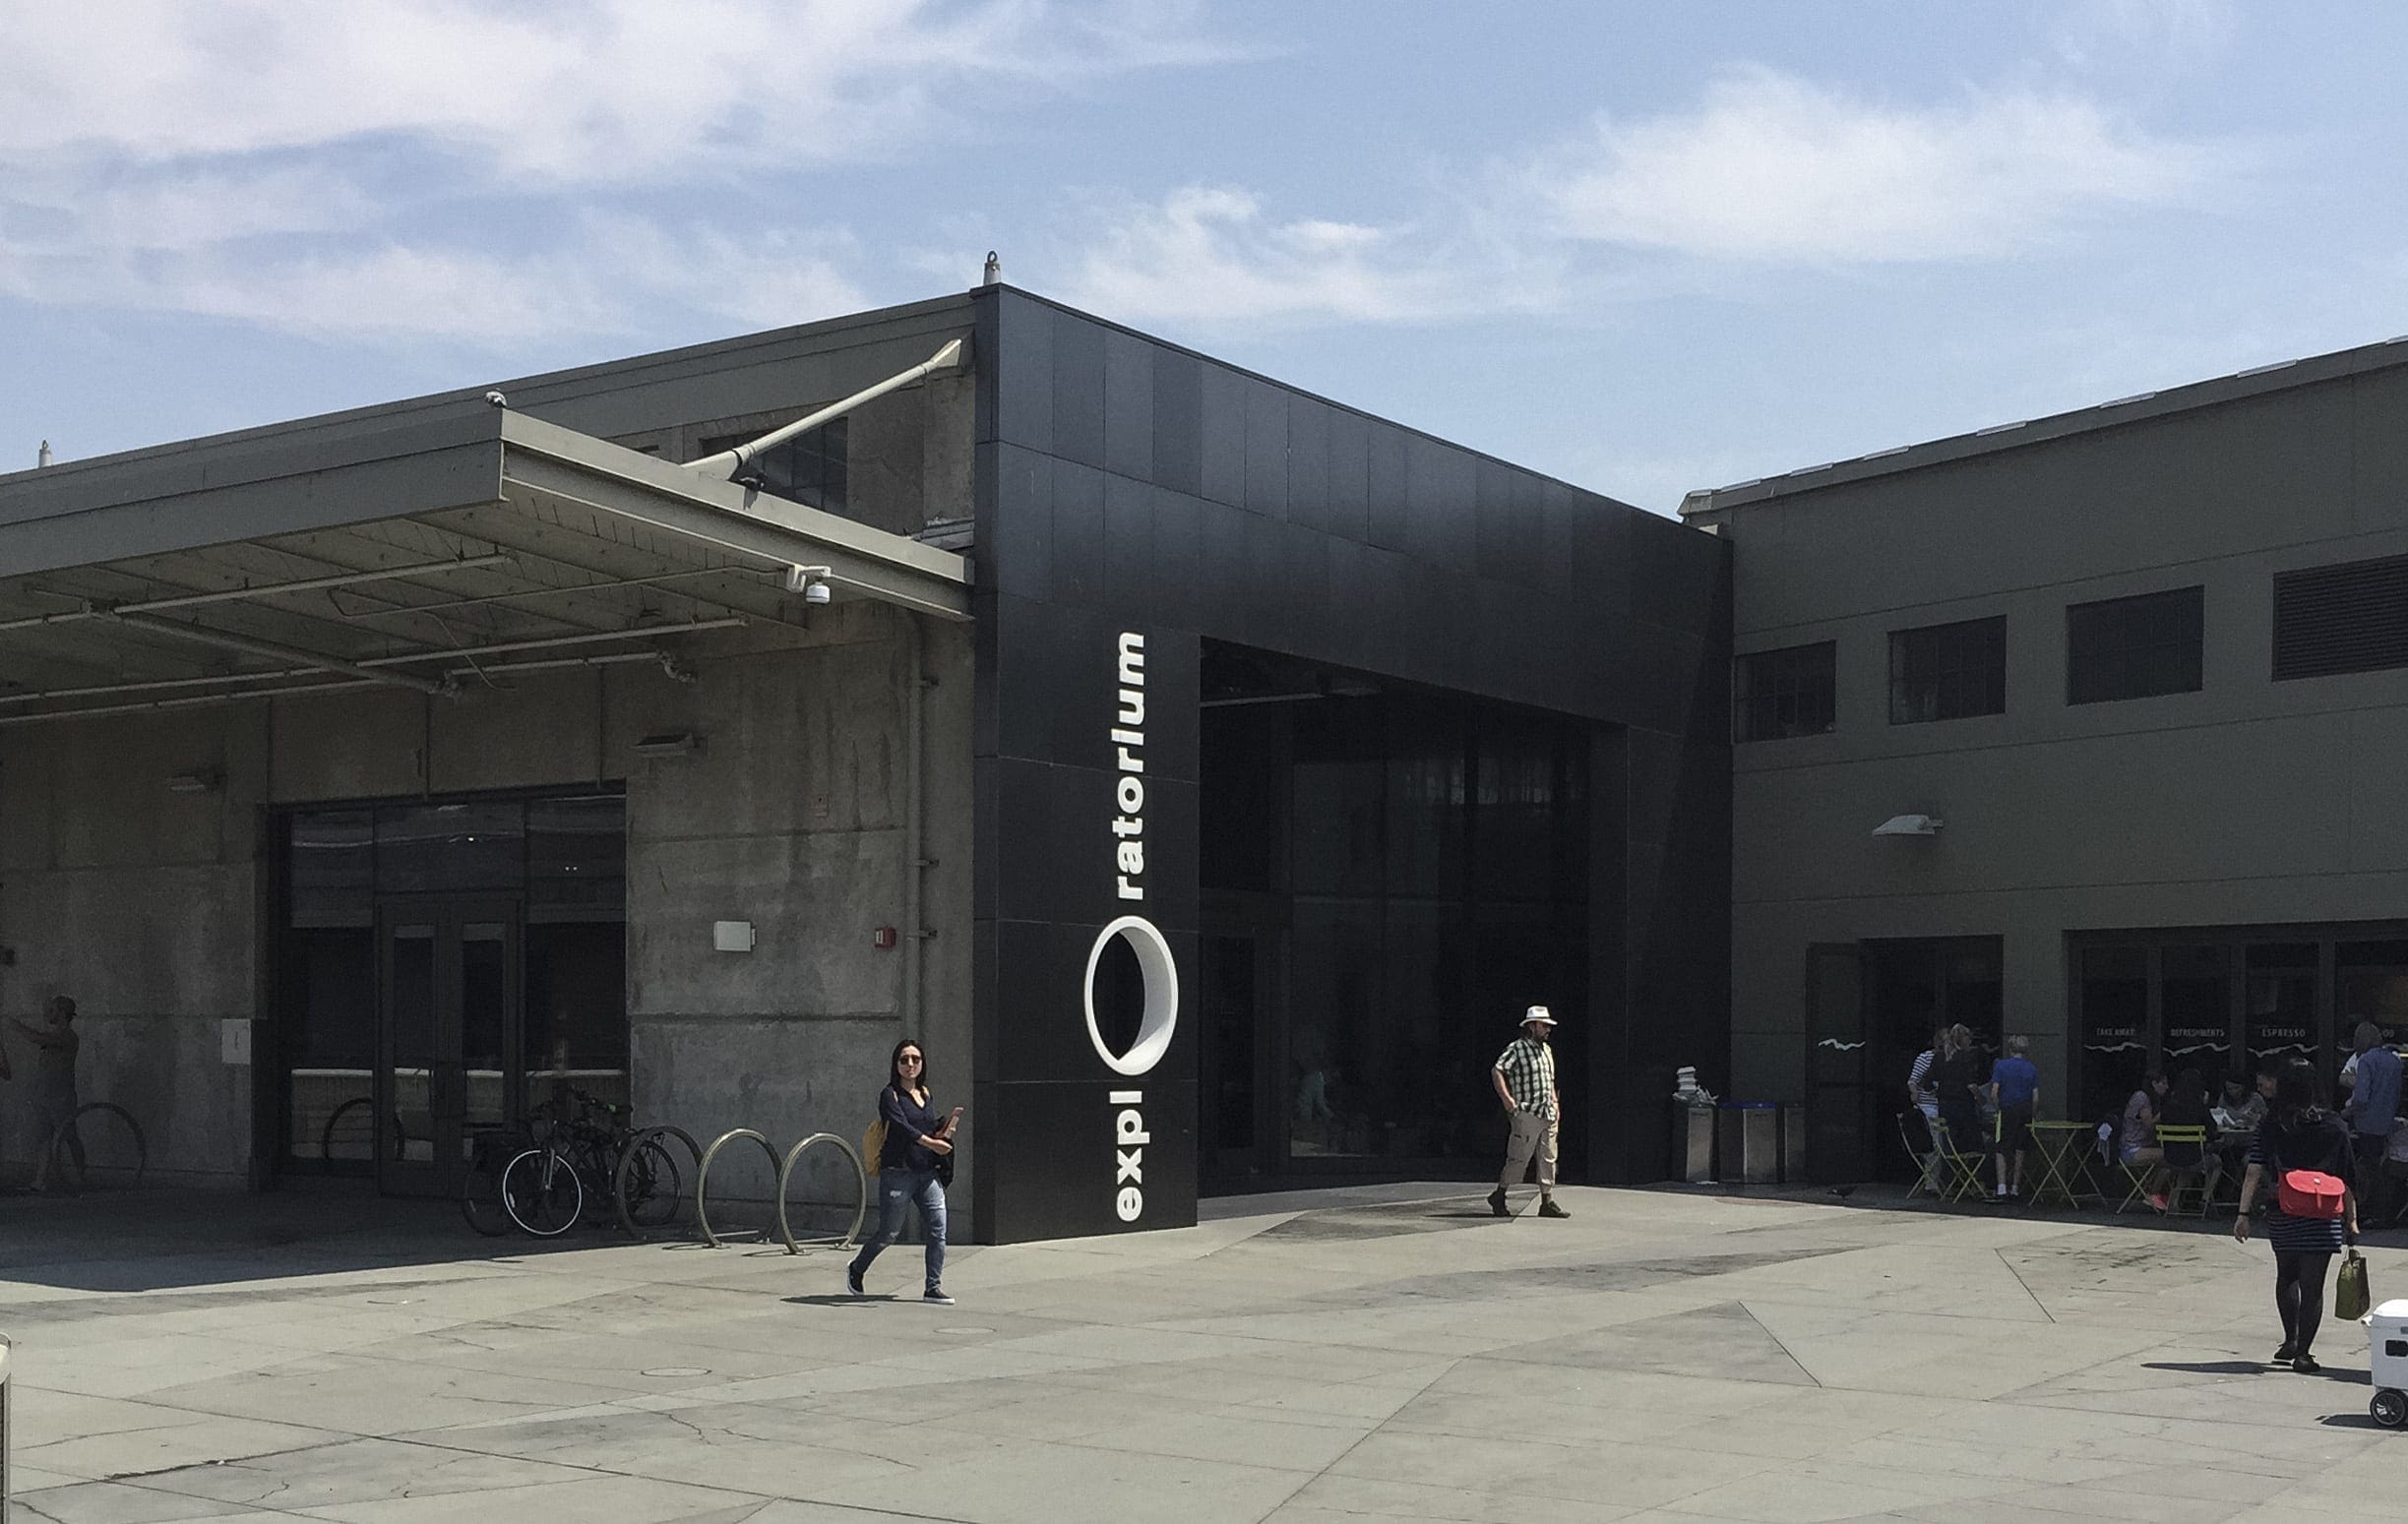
x: 702, y: 1179
x: 861, y: 1177
x: 141, y: 1143
x: 618, y: 1177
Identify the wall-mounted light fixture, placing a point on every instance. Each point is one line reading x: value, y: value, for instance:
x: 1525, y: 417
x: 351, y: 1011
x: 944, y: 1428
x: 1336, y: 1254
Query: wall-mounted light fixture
x: 201, y: 780
x: 665, y: 742
x: 1909, y: 825
x: 811, y: 582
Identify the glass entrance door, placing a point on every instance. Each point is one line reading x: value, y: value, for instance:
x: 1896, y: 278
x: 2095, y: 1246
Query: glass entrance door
x: 448, y: 981
x: 1842, y: 1111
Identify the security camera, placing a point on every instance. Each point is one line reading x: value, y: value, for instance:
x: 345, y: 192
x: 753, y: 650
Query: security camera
x: 811, y: 582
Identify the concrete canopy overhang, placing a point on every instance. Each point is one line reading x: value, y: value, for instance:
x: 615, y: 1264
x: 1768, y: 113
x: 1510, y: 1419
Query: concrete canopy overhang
x: 424, y: 552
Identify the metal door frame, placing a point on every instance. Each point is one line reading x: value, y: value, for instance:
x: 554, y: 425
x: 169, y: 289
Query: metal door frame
x: 446, y: 1079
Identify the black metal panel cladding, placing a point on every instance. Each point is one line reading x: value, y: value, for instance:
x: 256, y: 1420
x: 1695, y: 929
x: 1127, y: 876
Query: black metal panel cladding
x: 2334, y: 619
x: 1125, y: 485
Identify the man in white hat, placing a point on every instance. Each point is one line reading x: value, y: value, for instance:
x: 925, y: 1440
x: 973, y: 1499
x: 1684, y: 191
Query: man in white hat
x: 1525, y: 1076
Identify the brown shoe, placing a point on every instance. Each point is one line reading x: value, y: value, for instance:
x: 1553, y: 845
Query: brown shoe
x: 1548, y: 1208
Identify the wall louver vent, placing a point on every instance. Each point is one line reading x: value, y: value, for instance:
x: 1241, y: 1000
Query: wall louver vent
x: 2349, y: 618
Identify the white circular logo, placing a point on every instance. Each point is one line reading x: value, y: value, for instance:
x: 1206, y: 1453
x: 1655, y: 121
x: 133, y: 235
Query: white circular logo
x: 1162, y: 1016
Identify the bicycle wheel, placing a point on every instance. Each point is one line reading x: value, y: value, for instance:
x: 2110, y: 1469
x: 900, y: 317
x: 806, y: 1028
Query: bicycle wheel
x: 651, y: 1184
x: 101, y: 1142
x: 542, y: 1192
x: 349, y: 1133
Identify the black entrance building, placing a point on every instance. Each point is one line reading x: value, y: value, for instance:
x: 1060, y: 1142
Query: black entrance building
x: 1377, y: 739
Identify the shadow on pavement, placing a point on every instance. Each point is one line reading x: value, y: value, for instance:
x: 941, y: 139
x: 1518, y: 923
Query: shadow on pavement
x: 176, y: 1238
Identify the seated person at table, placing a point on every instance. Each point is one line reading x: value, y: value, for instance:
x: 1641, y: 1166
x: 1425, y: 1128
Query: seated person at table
x: 2014, y: 1088
x: 2137, y: 1141
x: 2245, y: 1104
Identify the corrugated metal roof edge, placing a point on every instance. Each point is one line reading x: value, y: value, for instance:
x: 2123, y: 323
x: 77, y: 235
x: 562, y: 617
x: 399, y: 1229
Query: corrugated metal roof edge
x: 2256, y: 381
x: 379, y: 414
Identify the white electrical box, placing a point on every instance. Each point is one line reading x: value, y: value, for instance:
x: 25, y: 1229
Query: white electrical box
x: 731, y: 936
x: 235, y: 1040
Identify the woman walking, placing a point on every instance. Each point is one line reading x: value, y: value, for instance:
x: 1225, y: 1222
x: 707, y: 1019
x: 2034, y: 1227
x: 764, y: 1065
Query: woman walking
x: 907, y: 1169
x: 2300, y: 1137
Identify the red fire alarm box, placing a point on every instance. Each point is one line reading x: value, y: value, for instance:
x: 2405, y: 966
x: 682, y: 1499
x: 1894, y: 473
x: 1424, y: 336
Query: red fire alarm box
x: 884, y: 936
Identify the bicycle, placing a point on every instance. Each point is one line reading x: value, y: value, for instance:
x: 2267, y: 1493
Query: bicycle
x: 579, y: 1155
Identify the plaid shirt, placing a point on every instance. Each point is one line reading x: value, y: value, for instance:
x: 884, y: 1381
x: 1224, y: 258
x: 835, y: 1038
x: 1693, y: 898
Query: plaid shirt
x: 1528, y: 1068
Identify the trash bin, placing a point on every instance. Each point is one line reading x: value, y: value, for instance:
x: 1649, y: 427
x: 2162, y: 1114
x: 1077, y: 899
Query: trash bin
x: 1751, y: 1135
x: 1693, y: 1144
x: 1792, y: 1143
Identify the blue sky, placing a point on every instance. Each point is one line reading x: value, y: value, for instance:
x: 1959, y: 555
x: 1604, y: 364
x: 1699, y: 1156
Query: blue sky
x: 1647, y: 248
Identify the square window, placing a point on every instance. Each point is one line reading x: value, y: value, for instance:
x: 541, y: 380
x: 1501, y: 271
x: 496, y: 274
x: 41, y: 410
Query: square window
x: 1778, y: 695
x: 2135, y: 647
x: 1947, y: 671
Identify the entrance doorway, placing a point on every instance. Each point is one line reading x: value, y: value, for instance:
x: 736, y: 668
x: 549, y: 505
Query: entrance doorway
x: 449, y: 978
x: 1389, y: 876
x: 1870, y: 1007
x: 442, y: 966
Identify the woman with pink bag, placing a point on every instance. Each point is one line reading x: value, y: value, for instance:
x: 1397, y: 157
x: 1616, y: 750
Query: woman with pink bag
x: 2307, y: 1151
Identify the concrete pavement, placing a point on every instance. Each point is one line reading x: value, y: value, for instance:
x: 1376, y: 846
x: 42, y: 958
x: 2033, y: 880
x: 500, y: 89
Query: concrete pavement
x: 1382, y: 1353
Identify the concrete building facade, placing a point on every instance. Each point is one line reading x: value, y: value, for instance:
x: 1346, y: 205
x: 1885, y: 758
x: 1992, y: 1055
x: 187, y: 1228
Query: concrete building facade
x: 2128, y: 689
x: 367, y: 776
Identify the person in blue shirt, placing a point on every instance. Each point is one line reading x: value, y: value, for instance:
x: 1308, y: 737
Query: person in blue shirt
x: 2371, y: 1112
x: 2014, y: 1088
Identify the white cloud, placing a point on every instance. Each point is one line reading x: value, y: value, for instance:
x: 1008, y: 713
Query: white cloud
x: 1770, y: 167
x: 1210, y: 256
x: 616, y: 90
x: 2180, y: 32
x: 609, y: 275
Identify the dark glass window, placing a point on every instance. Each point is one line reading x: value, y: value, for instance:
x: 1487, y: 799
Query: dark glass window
x: 2279, y: 1017
x: 2194, y: 997
x: 2135, y: 647
x: 2348, y: 618
x: 2114, y: 1026
x: 810, y: 468
x: 1947, y: 671
x: 1776, y: 695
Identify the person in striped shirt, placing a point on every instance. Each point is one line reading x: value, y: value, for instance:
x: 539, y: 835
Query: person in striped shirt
x: 1524, y: 1077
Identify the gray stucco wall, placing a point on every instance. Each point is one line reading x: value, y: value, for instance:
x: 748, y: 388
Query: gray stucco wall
x: 2249, y: 802
x: 145, y: 904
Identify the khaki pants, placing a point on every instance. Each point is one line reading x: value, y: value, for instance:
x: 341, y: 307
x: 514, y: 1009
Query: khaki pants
x: 1531, y: 1134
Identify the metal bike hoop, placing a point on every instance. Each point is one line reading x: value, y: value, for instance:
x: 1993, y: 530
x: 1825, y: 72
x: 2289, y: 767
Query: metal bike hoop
x: 861, y: 1205
x: 702, y: 1181
x: 141, y: 1145
x: 618, y: 1176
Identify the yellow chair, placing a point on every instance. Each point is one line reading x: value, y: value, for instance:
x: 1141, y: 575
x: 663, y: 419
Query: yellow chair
x: 1947, y: 1172
x: 2186, y: 1149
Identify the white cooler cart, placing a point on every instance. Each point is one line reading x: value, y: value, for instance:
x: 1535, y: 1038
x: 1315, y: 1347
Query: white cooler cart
x: 2388, y: 1359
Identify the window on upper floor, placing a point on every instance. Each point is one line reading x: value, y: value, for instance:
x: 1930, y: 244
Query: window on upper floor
x: 1776, y: 695
x: 2135, y: 647
x: 2346, y: 618
x: 808, y: 468
x: 1947, y: 671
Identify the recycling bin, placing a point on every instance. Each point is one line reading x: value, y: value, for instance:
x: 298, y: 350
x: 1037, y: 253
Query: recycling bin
x: 1751, y: 1138
x: 1693, y: 1144
x: 1792, y: 1143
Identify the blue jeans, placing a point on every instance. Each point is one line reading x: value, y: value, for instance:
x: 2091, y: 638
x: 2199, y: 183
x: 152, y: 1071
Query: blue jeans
x: 920, y: 1187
